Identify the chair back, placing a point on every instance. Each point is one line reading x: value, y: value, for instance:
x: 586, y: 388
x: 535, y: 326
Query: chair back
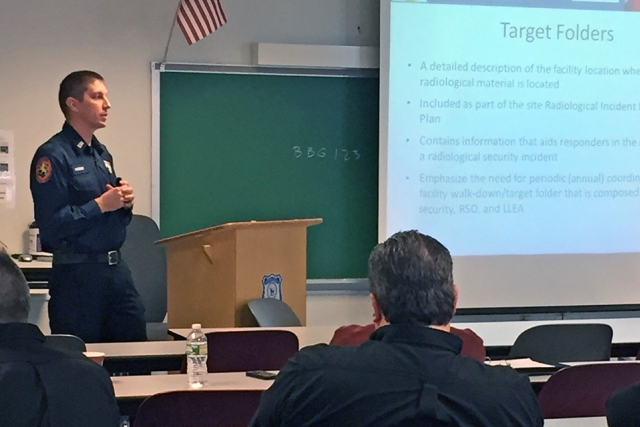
x: 570, y: 342
x: 197, y: 408
x: 238, y: 351
x: 148, y: 264
x: 66, y: 342
x: 271, y: 312
x: 582, y: 390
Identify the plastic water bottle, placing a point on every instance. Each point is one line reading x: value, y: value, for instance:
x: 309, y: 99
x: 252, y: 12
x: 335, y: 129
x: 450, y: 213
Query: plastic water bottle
x: 197, y: 356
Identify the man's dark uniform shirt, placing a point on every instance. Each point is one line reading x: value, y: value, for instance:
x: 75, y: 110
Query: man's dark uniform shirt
x: 405, y: 375
x: 41, y: 386
x: 91, y: 289
x: 67, y: 175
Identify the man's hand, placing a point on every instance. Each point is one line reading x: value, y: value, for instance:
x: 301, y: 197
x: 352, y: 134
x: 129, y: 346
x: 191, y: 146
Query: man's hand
x: 127, y: 193
x: 111, y: 199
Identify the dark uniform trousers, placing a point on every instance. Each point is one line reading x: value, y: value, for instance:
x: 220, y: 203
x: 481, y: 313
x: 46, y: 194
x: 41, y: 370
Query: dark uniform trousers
x: 95, y: 301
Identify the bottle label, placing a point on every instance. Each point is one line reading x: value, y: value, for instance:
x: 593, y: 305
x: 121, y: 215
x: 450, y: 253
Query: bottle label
x: 197, y: 349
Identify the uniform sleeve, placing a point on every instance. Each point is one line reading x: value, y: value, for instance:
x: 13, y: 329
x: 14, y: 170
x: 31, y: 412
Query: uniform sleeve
x: 268, y: 413
x: 271, y: 411
x: 22, y: 398
x: 530, y: 414
x: 57, y: 219
x: 126, y: 214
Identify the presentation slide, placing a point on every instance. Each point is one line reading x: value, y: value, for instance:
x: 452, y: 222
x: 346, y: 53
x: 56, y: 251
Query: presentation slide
x: 513, y: 127
x: 515, y: 130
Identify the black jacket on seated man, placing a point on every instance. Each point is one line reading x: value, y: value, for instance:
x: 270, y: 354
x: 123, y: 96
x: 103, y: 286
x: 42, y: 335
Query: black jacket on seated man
x: 41, y: 386
x: 623, y: 407
x: 405, y: 375
x: 410, y: 371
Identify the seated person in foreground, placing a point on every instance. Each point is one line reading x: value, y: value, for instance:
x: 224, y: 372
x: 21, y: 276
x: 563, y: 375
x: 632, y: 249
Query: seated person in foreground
x: 41, y: 385
x: 409, y: 372
x: 472, y: 344
x: 623, y: 407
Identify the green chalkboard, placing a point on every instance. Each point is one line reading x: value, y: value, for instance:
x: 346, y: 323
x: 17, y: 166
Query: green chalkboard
x: 237, y: 147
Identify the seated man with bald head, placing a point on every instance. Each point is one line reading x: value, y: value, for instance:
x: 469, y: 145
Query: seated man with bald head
x: 410, y: 371
x: 41, y: 385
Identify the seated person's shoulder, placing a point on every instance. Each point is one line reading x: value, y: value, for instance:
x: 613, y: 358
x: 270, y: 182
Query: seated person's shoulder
x: 472, y: 345
x: 501, y: 377
x: 68, y: 361
x: 622, y: 407
x: 324, y: 356
x: 466, y: 334
x: 352, y: 334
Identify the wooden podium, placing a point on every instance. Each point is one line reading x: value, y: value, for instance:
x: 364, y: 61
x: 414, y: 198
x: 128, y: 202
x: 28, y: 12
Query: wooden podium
x: 212, y: 273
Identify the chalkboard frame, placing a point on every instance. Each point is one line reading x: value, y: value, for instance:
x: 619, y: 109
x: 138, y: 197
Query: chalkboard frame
x: 158, y: 69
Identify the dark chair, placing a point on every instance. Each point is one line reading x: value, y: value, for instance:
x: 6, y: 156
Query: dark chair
x: 238, y: 351
x: 564, y: 343
x: 271, y: 312
x: 582, y: 390
x: 148, y: 264
x: 66, y: 342
x: 197, y: 408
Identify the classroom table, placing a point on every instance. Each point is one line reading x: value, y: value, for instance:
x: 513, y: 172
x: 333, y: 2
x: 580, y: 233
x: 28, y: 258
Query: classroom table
x: 494, y: 334
x: 141, y: 357
x: 149, y: 356
x: 144, y: 357
x: 36, y: 272
x: 497, y: 336
x: 142, y: 386
x: 576, y: 422
x: 307, y: 335
x: 131, y: 391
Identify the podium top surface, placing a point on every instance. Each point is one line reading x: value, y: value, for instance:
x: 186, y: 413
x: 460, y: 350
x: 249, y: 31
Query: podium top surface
x: 230, y: 226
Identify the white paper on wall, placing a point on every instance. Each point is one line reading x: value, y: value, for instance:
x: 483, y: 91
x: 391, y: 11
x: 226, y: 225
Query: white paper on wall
x: 7, y: 169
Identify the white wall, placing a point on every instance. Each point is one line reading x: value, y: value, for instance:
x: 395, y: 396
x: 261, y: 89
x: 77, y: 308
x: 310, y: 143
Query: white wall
x: 336, y: 310
x: 42, y: 41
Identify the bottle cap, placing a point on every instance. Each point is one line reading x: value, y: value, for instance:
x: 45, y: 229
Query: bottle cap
x: 196, y: 326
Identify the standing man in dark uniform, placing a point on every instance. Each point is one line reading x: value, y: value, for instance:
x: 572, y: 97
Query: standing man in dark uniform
x: 82, y: 209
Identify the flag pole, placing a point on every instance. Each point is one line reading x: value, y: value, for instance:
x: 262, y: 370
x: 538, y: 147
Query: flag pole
x: 166, y: 49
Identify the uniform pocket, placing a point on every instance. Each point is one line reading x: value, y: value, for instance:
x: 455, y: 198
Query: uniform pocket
x: 82, y: 179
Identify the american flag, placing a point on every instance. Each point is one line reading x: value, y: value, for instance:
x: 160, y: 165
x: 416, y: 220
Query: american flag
x: 199, y: 18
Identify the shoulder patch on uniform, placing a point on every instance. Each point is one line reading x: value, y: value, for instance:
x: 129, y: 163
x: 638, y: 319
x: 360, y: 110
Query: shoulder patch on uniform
x: 43, y: 170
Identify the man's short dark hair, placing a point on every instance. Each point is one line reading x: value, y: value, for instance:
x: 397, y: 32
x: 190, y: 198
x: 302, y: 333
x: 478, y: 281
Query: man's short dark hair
x: 75, y: 85
x: 14, y: 292
x: 411, y: 276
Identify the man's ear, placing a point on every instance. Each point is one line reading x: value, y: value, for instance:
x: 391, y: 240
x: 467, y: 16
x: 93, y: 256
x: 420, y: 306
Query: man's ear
x: 72, y: 103
x: 455, y: 297
x: 378, y: 317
